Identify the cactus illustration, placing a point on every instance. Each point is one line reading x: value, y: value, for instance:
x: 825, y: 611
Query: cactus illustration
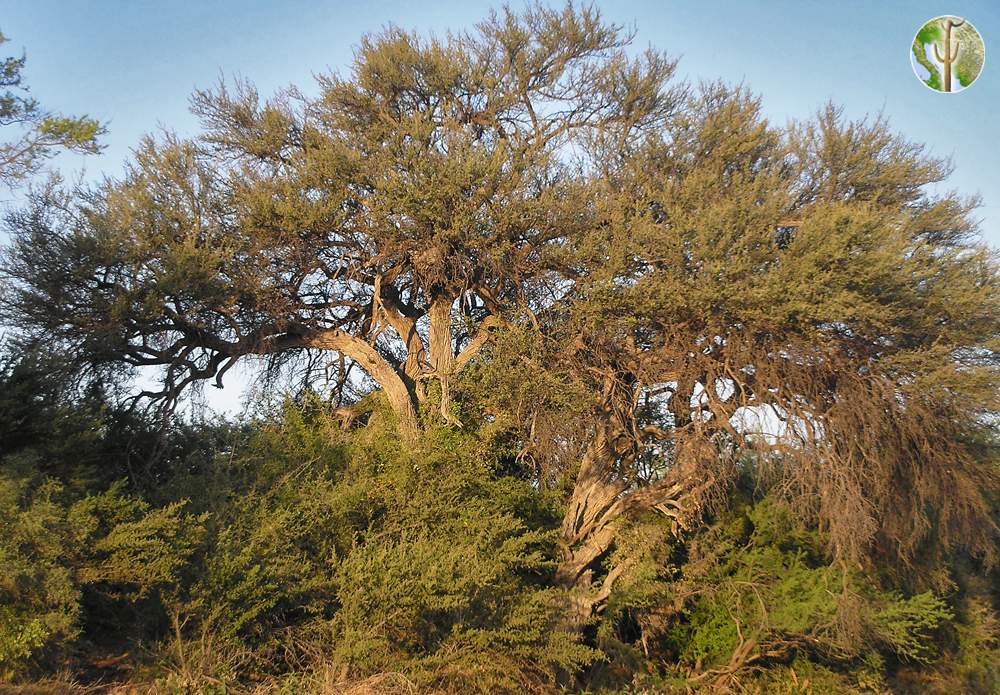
x: 948, y: 23
x: 947, y: 53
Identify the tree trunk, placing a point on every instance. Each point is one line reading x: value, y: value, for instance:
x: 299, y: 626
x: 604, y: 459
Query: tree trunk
x: 588, y: 527
x: 368, y: 358
x: 402, y: 385
x: 598, y: 503
x: 405, y: 324
x: 441, y: 349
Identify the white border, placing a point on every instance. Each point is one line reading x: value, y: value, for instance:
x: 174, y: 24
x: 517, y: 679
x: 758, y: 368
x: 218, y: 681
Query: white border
x: 911, y: 59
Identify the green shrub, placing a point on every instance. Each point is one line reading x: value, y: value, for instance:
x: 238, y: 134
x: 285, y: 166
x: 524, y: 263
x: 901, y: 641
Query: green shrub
x: 60, y: 555
x: 756, y: 590
x: 343, y: 548
x: 313, y: 558
x: 39, y: 595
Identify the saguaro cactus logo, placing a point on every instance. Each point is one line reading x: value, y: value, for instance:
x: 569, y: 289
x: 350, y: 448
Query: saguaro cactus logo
x: 948, y: 53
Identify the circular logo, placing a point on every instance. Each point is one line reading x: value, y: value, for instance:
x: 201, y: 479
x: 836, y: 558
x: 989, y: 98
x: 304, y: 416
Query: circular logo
x: 947, y: 54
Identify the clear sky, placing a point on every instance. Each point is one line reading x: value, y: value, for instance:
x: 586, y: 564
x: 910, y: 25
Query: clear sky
x: 133, y: 63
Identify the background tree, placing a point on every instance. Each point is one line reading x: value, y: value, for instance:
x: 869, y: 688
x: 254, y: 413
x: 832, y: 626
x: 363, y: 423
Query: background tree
x: 40, y: 133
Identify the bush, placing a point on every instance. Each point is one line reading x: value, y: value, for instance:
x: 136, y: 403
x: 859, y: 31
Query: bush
x: 341, y: 549
x: 65, y: 559
x: 313, y: 558
x: 39, y: 596
x: 743, y: 599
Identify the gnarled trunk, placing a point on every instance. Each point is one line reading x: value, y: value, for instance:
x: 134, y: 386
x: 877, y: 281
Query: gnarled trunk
x: 598, y: 504
x: 432, y: 358
x: 441, y: 349
x: 588, y: 528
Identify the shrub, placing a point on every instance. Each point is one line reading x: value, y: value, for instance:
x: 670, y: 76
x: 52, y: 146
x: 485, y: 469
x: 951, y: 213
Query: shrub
x: 756, y: 589
x: 342, y: 549
x: 61, y: 555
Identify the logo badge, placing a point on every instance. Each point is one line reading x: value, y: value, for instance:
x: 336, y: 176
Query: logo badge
x: 947, y: 54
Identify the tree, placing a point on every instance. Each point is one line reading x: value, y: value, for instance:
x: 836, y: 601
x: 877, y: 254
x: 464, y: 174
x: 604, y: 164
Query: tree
x: 788, y: 302
x: 41, y: 133
x: 390, y: 220
x: 656, y: 267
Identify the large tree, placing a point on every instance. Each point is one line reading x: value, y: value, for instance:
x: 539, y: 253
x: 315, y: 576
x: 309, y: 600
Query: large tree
x: 784, y: 301
x: 389, y: 220
x: 676, y: 266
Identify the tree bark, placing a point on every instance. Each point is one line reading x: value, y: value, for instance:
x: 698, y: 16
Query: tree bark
x: 476, y: 345
x: 404, y: 321
x: 588, y: 531
x: 598, y: 503
x: 368, y: 358
x: 441, y: 350
x: 402, y: 384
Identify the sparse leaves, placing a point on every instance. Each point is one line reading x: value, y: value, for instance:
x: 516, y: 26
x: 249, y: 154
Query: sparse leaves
x: 31, y: 135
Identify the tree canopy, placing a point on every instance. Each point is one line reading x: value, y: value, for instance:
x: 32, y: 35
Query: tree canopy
x: 428, y: 184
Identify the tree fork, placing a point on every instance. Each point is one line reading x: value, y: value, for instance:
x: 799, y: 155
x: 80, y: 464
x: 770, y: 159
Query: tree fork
x: 401, y: 400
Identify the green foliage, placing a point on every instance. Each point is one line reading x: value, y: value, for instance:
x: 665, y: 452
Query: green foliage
x: 40, y: 133
x: 318, y: 550
x: 39, y: 597
x: 454, y: 614
x: 756, y: 591
x: 565, y: 281
x: 969, y: 655
x: 78, y: 134
x: 36, y: 414
x: 131, y: 547
x: 428, y: 562
x: 906, y: 625
x: 59, y: 554
x: 270, y: 562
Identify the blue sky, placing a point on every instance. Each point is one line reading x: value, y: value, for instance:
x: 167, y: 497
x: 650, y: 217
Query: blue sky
x: 135, y: 63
